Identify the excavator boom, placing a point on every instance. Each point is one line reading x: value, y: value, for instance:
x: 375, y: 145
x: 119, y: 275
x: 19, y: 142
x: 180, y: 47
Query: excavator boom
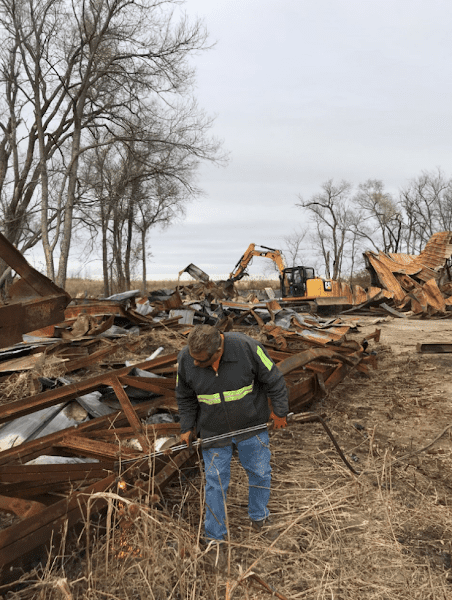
x: 273, y: 254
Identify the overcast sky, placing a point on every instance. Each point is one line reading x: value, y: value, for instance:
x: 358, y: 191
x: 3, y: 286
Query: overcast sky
x: 304, y: 91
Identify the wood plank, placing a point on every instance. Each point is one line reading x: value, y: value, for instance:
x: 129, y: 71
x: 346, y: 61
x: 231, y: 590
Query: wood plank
x: 44, y: 445
x: 32, y: 532
x: 22, y: 538
x: 33, y: 489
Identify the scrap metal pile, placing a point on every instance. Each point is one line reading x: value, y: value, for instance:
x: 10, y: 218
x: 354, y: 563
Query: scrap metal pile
x: 405, y: 285
x: 66, y: 437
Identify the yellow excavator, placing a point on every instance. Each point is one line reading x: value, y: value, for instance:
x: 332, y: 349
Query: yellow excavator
x: 295, y: 282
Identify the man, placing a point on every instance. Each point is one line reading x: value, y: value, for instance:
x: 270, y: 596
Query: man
x: 223, y: 381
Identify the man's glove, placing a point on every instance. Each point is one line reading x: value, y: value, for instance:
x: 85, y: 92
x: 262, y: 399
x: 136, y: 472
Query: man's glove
x: 187, y: 437
x: 278, y: 422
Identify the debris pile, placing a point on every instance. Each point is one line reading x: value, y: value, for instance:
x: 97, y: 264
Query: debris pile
x: 97, y: 405
x: 417, y: 286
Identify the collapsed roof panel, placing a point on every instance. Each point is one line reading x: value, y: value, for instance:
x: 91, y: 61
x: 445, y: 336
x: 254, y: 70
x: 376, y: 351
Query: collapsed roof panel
x: 413, y: 280
x: 33, y: 301
x: 425, y: 266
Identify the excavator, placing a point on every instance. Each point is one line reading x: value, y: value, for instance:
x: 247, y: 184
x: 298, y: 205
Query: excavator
x: 298, y: 283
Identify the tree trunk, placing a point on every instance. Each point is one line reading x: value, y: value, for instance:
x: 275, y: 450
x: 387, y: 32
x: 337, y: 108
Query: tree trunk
x: 104, y: 222
x: 128, y: 251
x: 143, y: 253
x: 70, y: 201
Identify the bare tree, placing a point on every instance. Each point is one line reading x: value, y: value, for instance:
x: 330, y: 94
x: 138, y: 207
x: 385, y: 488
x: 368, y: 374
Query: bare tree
x: 331, y: 215
x: 427, y: 204
x: 293, y: 244
x: 71, y: 71
x: 136, y: 185
x: 378, y: 221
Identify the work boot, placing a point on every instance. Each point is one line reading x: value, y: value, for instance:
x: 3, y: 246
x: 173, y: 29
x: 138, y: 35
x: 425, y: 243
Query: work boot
x: 216, y: 557
x: 264, y: 528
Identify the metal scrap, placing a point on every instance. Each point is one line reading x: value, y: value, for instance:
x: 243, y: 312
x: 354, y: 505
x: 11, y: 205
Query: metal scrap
x: 414, y: 281
x: 33, y: 301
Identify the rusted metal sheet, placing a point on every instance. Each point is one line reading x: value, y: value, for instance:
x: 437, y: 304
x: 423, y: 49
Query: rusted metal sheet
x: 359, y: 295
x: 18, y: 318
x: 195, y: 272
x: 303, y: 358
x: 434, y: 296
x: 414, y: 278
x: 21, y: 538
x: 34, y: 301
x: 426, y: 265
x: 437, y: 250
x: 49, y: 523
x: 385, y: 274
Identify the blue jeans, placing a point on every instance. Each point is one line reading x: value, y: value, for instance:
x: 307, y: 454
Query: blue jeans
x: 254, y: 455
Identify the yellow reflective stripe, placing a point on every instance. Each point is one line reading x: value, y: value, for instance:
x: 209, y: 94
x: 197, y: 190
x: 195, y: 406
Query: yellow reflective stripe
x: 213, y: 399
x: 264, y: 358
x: 237, y: 394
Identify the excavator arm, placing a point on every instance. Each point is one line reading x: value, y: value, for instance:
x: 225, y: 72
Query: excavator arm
x: 239, y: 270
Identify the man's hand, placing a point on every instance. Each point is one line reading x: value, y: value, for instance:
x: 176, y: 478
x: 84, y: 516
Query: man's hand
x: 187, y: 438
x: 278, y: 422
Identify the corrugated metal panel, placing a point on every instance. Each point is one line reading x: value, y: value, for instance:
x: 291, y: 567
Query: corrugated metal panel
x: 402, y: 259
x: 385, y: 275
x: 436, y: 251
x: 359, y: 294
x: 434, y: 295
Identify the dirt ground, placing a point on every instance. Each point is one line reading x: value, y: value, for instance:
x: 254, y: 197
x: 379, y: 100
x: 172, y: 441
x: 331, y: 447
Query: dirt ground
x: 391, y: 538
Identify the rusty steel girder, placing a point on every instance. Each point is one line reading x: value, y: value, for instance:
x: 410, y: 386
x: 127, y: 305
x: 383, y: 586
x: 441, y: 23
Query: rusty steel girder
x: 34, y: 301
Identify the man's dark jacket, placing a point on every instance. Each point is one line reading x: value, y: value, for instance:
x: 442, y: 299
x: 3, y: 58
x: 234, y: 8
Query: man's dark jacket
x: 233, y: 398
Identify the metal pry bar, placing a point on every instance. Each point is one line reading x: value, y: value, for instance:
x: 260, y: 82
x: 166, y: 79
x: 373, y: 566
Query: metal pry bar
x: 196, y: 443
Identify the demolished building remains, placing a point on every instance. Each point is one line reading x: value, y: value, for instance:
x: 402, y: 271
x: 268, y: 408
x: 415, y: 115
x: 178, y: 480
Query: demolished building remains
x: 97, y: 424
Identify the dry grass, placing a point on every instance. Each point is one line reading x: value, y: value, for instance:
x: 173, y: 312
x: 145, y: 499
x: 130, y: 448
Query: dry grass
x: 343, y: 537
x: 16, y: 386
x: 25, y: 383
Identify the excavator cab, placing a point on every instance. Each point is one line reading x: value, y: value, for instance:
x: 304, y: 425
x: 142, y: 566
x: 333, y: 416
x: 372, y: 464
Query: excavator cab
x: 293, y: 281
